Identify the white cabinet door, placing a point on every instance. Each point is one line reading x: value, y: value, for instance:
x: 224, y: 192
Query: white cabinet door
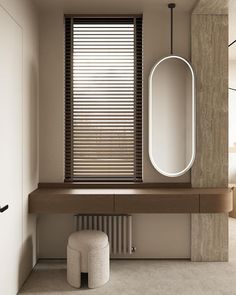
x: 10, y: 152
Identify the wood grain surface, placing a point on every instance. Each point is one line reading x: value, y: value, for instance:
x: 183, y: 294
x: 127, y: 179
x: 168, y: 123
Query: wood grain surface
x: 211, y: 7
x: 210, y: 62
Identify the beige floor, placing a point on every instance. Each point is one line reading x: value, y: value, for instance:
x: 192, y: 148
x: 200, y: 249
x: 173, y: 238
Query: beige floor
x: 145, y: 277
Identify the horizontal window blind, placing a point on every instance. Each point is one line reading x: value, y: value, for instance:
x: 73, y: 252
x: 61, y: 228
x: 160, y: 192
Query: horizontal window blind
x: 103, y: 108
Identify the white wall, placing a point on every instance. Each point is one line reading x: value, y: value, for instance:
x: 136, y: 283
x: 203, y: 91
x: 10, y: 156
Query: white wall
x: 232, y: 94
x: 51, y: 152
x: 25, y: 14
x: 232, y: 121
x: 154, y: 235
x: 10, y: 151
x: 156, y: 45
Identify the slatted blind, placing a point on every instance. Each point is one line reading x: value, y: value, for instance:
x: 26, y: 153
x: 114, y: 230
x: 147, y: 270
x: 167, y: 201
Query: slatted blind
x: 103, y: 99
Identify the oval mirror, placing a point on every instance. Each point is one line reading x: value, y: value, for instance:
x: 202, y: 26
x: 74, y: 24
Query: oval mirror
x: 172, y: 116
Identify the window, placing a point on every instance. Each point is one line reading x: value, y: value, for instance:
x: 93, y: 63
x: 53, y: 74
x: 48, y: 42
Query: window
x: 103, y: 99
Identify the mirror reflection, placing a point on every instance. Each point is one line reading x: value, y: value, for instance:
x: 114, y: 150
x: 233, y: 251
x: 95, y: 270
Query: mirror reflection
x: 172, y: 116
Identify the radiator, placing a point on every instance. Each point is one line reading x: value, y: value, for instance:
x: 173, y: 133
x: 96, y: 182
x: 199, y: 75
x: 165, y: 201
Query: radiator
x: 117, y: 227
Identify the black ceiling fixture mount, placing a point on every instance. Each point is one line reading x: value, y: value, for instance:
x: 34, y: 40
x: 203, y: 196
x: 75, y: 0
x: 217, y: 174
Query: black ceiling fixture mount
x: 171, y: 6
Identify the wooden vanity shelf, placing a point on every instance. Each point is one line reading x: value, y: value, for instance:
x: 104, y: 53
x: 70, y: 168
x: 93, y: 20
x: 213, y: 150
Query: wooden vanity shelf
x: 56, y: 198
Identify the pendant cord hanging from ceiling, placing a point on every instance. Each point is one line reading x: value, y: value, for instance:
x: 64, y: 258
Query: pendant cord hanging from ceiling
x: 171, y: 6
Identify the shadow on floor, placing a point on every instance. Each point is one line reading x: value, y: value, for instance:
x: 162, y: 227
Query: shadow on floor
x: 48, y: 279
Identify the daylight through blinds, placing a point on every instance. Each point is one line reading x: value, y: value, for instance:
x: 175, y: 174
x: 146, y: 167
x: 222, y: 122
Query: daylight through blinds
x: 102, y: 99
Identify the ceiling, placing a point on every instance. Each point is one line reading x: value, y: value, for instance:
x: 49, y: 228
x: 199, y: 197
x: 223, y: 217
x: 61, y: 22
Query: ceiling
x: 181, y: 5
x: 134, y: 6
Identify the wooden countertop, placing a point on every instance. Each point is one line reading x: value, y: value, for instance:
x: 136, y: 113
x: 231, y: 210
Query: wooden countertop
x: 112, y: 200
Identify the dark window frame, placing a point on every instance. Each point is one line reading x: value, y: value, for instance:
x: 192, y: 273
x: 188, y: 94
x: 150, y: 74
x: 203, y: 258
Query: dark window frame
x: 69, y: 143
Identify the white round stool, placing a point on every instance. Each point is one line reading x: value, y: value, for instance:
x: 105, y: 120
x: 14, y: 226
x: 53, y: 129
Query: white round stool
x: 88, y: 251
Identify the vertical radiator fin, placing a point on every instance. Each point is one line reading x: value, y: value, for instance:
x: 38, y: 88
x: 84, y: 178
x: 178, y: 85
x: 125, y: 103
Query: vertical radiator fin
x: 117, y: 227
